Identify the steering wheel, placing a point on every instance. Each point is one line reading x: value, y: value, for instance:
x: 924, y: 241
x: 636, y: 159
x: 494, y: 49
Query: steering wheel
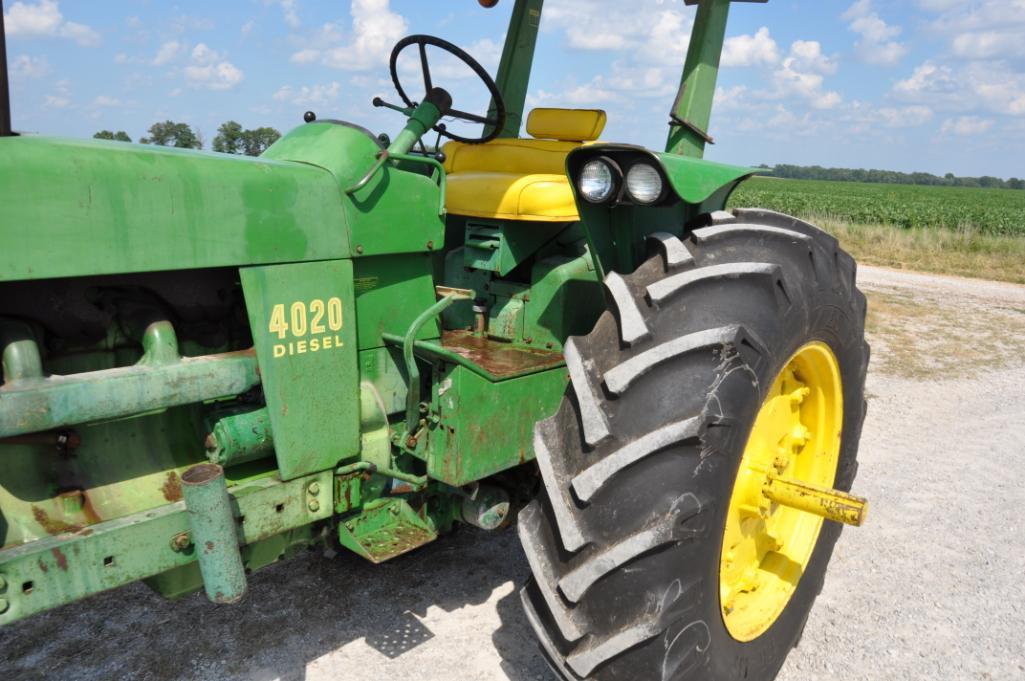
x: 496, y: 123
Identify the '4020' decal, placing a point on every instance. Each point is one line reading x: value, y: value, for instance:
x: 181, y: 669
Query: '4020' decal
x: 303, y: 327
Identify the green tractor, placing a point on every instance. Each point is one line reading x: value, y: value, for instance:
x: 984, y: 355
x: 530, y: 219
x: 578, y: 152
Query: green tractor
x: 213, y: 362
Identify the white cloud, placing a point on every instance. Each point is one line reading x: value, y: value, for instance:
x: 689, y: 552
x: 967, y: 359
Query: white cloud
x: 877, y: 44
x: 44, y: 19
x: 750, y: 50
x: 655, y: 27
x: 966, y: 125
x: 247, y: 27
x: 904, y: 117
x: 802, y: 75
x: 984, y: 29
x: 731, y: 99
x: 104, y: 101
x: 24, y: 66
x: 991, y: 86
x: 61, y: 98
x: 309, y: 95
x: 375, y: 29
x: 211, y: 70
x: 167, y: 52
x: 289, y: 9
x: 652, y: 36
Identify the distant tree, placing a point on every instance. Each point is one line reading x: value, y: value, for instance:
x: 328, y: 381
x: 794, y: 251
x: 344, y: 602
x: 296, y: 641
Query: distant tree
x: 229, y: 138
x: 171, y: 134
x: 232, y: 139
x: 119, y: 136
x: 891, y: 177
x: 255, y: 142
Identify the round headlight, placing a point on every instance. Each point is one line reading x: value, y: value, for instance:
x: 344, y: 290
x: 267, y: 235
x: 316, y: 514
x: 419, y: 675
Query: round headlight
x: 596, y: 181
x: 644, y: 183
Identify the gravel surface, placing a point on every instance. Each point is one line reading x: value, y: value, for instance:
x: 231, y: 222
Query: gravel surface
x: 932, y: 587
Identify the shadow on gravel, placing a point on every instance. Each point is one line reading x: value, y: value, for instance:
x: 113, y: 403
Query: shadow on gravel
x: 293, y: 613
x: 515, y: 642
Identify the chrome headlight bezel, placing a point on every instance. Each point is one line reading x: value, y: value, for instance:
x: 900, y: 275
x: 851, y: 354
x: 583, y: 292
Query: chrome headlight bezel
x: 612, y: 179
x: 632, y: 187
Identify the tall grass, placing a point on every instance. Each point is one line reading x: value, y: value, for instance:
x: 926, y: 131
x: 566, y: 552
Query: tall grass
x: 964, y: 251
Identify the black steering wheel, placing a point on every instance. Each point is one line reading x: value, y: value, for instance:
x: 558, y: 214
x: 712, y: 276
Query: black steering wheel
x: 494, y: 123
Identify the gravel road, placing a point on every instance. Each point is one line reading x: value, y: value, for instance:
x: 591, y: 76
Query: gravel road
x: 932, y: 587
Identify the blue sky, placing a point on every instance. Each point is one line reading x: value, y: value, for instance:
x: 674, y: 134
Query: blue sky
x: 934, y: 85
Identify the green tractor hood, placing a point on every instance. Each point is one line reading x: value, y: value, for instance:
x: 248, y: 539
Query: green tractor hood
x: 76, y: 207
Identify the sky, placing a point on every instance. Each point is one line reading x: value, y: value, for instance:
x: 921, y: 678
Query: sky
x: 931, y: 85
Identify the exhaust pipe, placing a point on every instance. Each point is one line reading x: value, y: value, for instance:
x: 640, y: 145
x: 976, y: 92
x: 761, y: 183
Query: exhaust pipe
x: 5, y: 92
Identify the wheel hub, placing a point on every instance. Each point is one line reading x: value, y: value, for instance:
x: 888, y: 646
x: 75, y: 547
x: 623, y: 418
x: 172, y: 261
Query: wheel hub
x: 781, y: 493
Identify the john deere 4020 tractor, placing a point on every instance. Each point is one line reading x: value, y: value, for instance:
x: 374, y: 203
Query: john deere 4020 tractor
x: 213, y: 362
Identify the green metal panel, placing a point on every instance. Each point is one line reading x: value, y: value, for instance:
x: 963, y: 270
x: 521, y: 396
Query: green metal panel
x: 55, y: 570
x: 487, y: 427
x: 500, y: 246
x: 395, y: 212
x: 390, y: 292
x: 305, y: 338
x: 517, y: 58
x: 695, y: 179
x: 83, y: 207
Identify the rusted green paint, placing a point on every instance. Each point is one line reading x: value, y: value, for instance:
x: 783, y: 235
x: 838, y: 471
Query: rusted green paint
x: 385, y: 529
x: 38, y: 404
x: 72, y: 565
x: 487, y: 427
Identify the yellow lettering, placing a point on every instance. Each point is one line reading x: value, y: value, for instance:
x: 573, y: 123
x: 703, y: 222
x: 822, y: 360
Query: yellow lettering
x: 279, y: 350
x: 338, y: 342
x: 300, y: 347
x: 327, y: 342
x: 314, y: 344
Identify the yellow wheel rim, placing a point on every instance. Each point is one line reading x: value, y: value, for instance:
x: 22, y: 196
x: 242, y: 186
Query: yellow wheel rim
x: 766, y: 546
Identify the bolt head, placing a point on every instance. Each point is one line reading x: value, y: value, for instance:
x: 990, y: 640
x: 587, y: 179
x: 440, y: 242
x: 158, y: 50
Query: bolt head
x: 314, y: 505
x: 411, y: 442
x: 180, y: 542
x: 314, y: 488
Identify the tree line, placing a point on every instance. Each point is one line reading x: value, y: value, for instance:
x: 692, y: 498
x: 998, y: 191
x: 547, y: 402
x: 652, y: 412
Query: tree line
x: 231, y: 137
x: 889, y: 177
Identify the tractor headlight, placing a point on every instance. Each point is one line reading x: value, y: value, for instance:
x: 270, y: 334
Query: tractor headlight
x: 597, y: 181
x: 644, y: 183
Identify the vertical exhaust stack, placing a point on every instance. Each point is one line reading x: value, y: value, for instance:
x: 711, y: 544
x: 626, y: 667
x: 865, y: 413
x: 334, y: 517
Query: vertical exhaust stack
x: 5, y: 92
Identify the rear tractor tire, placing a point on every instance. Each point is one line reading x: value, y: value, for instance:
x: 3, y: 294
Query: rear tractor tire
x: 733, y: 354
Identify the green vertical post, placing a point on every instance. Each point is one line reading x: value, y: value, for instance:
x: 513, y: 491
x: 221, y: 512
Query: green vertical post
x: 213, y: 532
x: 517, y: 57
x: 692, y: 110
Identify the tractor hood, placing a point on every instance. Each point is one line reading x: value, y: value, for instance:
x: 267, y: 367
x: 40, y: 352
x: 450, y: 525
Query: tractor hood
x: 76, y: 207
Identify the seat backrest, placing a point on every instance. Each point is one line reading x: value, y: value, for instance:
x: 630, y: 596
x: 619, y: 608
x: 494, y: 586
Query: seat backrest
x: 570, y: 125
x: 556, y: 132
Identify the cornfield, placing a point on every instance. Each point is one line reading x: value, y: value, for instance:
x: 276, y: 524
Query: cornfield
x: 986, y: 211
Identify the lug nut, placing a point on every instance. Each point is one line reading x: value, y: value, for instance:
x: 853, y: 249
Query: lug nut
x: 314, y: 488
x: 314, y: 505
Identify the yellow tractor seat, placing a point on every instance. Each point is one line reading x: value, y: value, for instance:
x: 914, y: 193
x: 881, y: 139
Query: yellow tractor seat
x: 521, y: 179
